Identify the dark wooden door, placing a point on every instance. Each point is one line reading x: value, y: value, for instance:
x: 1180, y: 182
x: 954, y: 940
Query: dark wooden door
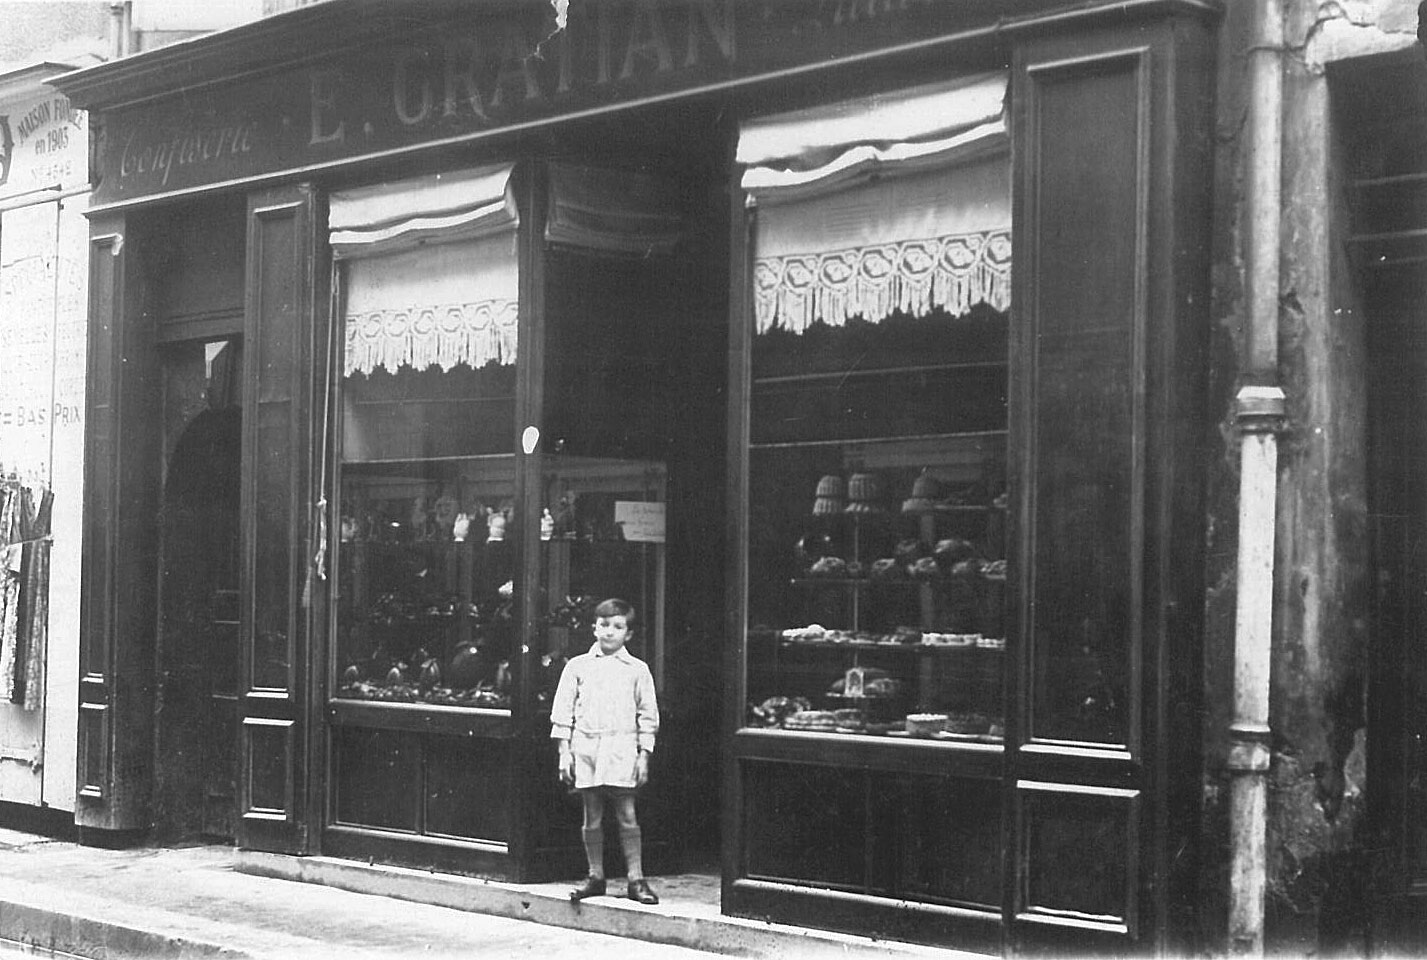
x: 116, y: 656
x: 278, y: 579
x: 1397, y: 703
x: 1107, y: 372
x: 1382, y: 111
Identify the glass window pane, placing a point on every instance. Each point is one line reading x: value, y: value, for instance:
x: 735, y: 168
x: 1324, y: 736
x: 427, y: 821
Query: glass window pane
x: 877, y: 494
x: 877, y: 468
x: 424, y: 569
x: 610, y: 402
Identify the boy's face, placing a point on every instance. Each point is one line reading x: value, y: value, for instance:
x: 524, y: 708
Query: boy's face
x: 611, y: 632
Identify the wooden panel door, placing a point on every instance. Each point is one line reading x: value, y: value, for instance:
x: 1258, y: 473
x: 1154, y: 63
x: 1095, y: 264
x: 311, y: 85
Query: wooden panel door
x: 1106, y: 374
x: 284, y: 368
x: 115, y: 735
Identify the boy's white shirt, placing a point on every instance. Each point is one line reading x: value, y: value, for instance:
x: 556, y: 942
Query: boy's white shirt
x: 646, y: 719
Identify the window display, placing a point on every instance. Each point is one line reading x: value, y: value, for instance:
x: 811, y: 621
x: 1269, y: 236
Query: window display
x: 425, y: 583
x: 878, y: 418
x: 606, y: 539
x: 881, y: 613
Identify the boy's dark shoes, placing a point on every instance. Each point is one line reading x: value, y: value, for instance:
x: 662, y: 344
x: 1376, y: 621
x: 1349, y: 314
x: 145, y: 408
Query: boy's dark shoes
x: 639, y: 891
x: 592, y: 887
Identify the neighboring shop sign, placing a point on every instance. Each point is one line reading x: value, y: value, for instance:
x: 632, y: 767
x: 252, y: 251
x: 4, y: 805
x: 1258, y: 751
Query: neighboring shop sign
x: 481, y: 75
x: 42, y: 145
x: 42, y: 282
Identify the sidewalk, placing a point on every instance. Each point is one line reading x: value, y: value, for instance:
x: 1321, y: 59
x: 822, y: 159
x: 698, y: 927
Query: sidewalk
x: 215, y: 901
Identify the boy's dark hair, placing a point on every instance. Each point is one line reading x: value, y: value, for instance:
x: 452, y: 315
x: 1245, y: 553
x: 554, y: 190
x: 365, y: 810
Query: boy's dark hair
x: 615, y: 607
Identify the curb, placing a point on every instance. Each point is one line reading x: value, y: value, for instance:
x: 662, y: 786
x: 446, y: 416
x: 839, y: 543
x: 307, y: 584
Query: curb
x: 732, y: 936
x: 69, y: 934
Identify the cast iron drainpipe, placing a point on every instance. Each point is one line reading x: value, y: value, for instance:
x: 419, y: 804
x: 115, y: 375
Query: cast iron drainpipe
x: 1258, y: 418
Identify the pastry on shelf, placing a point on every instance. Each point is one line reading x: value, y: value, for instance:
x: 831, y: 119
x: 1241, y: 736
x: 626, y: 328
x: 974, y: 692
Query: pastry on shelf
x: 925, y: 724
x: 887, y: 568
x: 869, y: 675
x: 864, y: 494
x: 831, y: 496
x: 926, y: 491
x: 829, y: 568
x: 811, y: 720
x: 952, y: 550
x: 773, y: 711
x: 909, y: 551
x: 925, y: 569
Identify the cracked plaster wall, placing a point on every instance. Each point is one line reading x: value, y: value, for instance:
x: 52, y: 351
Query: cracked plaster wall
x: 1322, y: 603
x: 1329, y: 30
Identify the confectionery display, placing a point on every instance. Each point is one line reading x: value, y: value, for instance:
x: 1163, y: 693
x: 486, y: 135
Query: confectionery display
x: 425, y: 576
x: 892, y: 614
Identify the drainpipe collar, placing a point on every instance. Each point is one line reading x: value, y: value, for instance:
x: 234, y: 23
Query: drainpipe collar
x: 1260, y: 409
x: 1250, y: 752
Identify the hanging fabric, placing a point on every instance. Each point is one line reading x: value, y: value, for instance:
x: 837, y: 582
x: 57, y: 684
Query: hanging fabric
x: 893, y: 203
x: 33, y: 641
x: 11, y: 562
x: 432, y: 277
x: 612, y: 211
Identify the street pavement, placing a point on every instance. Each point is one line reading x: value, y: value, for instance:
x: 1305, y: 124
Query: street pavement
x: 64, y: 899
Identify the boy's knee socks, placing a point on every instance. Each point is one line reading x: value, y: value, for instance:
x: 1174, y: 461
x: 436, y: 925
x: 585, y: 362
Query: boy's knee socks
x: 593, y: 838
x: 631, y: 841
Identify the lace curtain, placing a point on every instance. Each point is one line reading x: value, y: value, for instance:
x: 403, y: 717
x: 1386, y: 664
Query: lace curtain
x: 894, y: 203
x: 431, y: 276
x: 433, y: 306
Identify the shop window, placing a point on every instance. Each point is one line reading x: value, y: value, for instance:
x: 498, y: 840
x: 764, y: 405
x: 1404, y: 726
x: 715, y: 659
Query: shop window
x: 613, y: 321
x: 428, y: 290
x: 878, y: 421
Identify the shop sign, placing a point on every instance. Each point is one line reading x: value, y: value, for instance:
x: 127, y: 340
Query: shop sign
x: 42, y: 145
x: 482, y: 75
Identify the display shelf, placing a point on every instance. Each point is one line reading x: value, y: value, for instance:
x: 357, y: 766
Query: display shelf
x: 940, y: 648
x: 421, y: 717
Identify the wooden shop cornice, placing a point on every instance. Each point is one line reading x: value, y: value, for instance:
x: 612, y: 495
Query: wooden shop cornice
x: 319, y: 87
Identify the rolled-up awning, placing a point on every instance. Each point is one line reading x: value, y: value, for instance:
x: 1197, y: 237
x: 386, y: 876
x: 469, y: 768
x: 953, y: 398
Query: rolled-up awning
x: 441, y: 208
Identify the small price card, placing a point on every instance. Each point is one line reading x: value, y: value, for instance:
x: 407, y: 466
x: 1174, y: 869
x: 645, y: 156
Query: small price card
x: 641, y: 520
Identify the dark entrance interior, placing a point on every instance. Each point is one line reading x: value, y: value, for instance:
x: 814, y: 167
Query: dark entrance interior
x: 197, y: 668
x: 1381, y: 105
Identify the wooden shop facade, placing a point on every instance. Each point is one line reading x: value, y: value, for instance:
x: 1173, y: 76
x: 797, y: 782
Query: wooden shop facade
x: 861, y: 345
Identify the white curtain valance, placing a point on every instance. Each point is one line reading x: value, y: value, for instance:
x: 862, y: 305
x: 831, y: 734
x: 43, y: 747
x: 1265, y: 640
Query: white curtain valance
x: 441, y: 208
x: 930, y: 240
x: 441, y: 305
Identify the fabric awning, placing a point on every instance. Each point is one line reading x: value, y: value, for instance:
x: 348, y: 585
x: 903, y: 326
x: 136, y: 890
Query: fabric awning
x: 612, y: 211
x: 431, y: 272
x: 898, y: 202
x: 441, y: 208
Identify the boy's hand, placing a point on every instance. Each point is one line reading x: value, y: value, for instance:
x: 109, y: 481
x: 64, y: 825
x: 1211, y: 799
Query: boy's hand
x: 566, y: 766
x: 641, y: 769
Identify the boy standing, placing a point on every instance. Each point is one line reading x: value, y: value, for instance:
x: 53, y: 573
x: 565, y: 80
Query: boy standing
x: 605, y: 718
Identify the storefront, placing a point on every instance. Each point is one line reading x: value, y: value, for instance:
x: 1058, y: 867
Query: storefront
x: 43, y: 193
x: 861, y: 345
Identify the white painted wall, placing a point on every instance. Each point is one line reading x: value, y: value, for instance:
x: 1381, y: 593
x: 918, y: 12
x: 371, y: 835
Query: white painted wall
x: 43, y: 305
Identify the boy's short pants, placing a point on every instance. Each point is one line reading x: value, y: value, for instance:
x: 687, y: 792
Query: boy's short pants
x: 608, y: 790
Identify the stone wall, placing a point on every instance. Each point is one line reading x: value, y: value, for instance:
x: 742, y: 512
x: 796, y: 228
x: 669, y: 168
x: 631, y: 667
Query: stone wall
x: 1323, y: 583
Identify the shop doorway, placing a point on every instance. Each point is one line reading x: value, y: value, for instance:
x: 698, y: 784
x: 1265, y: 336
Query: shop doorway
x: 1385, y: 140
x: 197, y: 662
